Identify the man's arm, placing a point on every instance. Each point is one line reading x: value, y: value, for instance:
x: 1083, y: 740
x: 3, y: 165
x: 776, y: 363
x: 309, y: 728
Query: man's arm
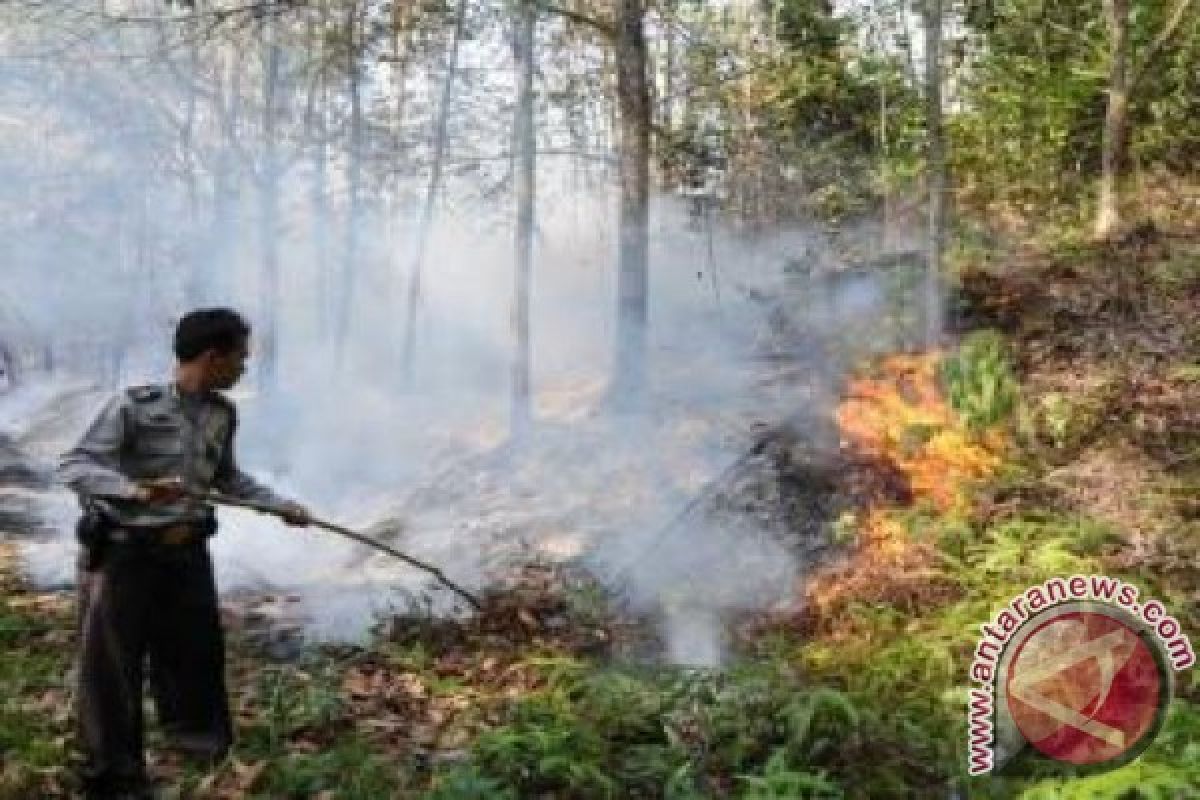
x: 93, y: 466
x: 230, y: 480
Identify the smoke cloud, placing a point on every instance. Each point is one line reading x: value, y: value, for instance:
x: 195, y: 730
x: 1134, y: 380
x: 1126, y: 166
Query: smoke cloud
x: 141, y: 196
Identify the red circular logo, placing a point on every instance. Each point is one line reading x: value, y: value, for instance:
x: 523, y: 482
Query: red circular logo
x: 1084, y: 688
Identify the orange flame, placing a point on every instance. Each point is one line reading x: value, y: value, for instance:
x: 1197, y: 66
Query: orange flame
x: 898, y: 415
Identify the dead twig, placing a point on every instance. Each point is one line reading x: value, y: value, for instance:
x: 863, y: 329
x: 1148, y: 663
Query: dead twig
x: 226, y: 500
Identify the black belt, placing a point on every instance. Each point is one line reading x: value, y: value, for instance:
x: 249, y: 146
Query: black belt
x: 179, y: 534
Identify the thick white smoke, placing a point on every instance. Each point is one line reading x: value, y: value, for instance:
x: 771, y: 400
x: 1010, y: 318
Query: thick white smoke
x: 103, y: 261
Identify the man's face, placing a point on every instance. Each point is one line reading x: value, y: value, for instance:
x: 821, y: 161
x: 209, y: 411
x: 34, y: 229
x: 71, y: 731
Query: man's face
x: 224, y: 369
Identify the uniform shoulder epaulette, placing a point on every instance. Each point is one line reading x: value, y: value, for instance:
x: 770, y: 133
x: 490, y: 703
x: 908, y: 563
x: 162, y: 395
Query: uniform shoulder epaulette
x: 144, y: 394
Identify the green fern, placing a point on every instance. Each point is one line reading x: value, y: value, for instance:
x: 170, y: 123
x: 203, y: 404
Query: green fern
x: 780, y: 781
x: 1136, y: 781
x: 468, y: 783
x: 979, y: 381
x: 818, y: 718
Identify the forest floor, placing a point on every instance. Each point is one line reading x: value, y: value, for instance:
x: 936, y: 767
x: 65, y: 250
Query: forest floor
x: 1060, y: 435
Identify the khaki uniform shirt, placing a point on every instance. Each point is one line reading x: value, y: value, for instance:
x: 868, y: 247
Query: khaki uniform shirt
x: 152, y: 432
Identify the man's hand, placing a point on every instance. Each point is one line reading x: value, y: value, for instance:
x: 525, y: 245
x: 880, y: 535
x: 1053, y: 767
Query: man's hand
x: 296, y: 515
x: 160, y: 490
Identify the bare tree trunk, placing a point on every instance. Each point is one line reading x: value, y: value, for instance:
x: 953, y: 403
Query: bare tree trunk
x: 672, y: 55
x: 196, y: 287
x: 225, y: 231
x: 350, y: 251
x: 885, y: 237
x: 633, y: 100
x: 435, y: 180
x: 402, y: 54
x: 910, y: 59
x: 319, y: 194
x: 269, y: 213
x: 317, y: 123
x: 936, y: 168
x: 526, y: 173
x: 9, y: 377
x: 887, y: 223
x: 613, y: 123
x: 1123, y: 81
x: 1116, y: 120
x: 663, y: 88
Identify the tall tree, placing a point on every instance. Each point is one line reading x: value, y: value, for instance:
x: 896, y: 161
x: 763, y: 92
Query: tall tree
x: 317, y: 129
x: 197, y: 269
x: 1116, y: 117
x: 425, y: 223
x: 936, y: 183
x: 354, y: 155
x: 403, y: 46
x: 268, y: 192
x: 224, y: 229
x: 634, y: 113
x: 1123, y: 80
x: 526, y: 162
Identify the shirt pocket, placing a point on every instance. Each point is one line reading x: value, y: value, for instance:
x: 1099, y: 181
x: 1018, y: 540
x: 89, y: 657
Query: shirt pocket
x: 159, y: 441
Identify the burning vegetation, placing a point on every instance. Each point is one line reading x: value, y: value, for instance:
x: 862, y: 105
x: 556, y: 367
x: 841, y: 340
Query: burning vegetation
x: 907, y: 447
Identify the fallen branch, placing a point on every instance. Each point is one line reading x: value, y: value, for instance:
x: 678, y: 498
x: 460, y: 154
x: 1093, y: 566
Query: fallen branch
x: 226, y: 500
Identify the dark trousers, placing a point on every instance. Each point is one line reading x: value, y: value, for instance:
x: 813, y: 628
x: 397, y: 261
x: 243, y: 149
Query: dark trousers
x: 158, y: 603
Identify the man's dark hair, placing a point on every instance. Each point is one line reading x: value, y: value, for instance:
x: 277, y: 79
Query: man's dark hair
x: 220, y: 329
